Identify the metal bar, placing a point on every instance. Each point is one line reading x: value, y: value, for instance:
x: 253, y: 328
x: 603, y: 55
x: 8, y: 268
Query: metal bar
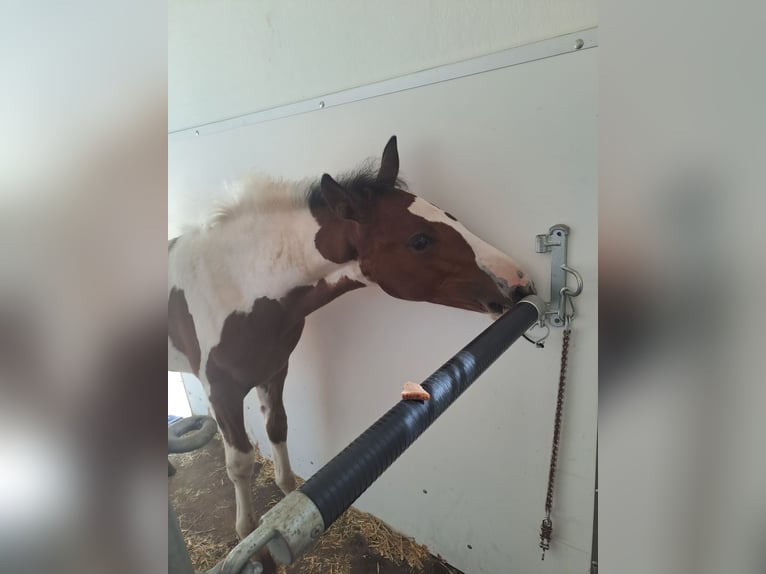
x: 342, y: 480
x: 298, y: 520
x: 287, y: 529
x: 564, y: 44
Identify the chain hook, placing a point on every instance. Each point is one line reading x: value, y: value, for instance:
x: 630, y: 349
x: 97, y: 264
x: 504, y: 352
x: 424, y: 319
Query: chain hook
x: 539, y: 342
x: 577, y: 277
x: 567, y: 310
x: 567, y: 296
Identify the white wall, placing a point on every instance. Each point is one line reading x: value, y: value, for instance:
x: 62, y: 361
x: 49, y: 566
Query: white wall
x: 178, y: 399
x: 509, y: 152
x: 229, y: 58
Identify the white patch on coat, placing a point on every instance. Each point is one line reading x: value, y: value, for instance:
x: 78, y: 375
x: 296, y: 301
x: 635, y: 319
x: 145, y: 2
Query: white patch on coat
x: 239, y: 467
x: 283, y: 474
x: 260, y: 244
x: 502, y: 268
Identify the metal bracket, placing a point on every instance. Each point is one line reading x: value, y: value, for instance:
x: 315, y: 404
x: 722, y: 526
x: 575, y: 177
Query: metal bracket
x: 560, y: 309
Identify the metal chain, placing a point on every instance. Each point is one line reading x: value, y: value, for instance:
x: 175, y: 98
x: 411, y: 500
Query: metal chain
x: 546, y: 527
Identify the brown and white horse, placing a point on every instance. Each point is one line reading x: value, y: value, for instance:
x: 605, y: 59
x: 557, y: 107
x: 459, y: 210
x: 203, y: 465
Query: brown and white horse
x: 241, y: 286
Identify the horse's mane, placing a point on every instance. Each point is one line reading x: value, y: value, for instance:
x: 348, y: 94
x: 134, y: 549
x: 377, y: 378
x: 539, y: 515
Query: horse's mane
x: 255, y: 192
x: 363, y: 182
x: 260, y: 193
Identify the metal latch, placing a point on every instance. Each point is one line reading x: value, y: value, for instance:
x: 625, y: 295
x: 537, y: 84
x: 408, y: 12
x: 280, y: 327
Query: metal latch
x: 560, y: 307
x: 560, y: 310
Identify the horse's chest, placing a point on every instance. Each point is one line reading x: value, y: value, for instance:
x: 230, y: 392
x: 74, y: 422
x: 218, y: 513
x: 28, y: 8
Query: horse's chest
x: 255, y: 346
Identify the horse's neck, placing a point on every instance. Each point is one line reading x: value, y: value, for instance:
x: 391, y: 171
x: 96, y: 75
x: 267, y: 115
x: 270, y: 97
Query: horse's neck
x: 273, y: 254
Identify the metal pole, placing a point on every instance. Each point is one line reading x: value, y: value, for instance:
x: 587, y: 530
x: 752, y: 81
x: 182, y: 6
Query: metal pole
x: 342, y: 480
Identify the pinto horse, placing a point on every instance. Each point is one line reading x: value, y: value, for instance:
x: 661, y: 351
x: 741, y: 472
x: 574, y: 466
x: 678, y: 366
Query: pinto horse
x: 241, y: 286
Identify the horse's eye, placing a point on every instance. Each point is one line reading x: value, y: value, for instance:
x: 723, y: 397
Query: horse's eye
x: 419, y: 242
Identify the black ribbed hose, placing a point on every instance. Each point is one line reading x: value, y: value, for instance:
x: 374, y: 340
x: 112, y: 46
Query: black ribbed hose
x: 341, y: 481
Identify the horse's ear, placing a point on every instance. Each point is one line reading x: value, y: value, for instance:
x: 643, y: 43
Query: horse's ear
x: 343, y: 203
x: 389, y: 164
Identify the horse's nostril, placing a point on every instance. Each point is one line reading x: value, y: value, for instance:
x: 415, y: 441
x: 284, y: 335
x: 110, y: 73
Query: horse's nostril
x: 496, y: 308
x: 518, y: 292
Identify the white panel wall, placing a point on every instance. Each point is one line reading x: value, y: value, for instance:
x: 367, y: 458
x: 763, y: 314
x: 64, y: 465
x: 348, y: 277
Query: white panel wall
x: 510, y: 153
x: 232, y: 57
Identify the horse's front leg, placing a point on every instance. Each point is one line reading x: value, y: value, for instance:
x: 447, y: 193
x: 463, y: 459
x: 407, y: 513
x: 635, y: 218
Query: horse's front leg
x: 227, y: 402
x: 273, y: 410
x: 239, y: 467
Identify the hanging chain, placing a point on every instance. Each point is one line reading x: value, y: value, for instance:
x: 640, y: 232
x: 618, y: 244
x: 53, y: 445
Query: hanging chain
x: 562, y: 308
x: 546, y: 527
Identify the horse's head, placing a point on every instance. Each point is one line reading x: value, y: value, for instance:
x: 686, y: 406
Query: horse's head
x: 416, y: 251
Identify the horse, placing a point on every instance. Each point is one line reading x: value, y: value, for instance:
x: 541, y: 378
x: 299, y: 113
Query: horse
x: 241, y: 285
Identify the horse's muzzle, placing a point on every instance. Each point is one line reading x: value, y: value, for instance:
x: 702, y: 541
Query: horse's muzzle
x: 497, y: 307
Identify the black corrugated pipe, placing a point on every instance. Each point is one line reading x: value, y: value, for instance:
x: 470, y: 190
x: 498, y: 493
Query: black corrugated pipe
x: 341, y: 481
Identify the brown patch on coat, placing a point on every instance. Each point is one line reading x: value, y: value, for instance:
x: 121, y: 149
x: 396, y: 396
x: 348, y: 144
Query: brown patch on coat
x: 254, y: 347
x: 181, y: 328
x: 306, y: 299
x: 445, y: 273
x: 334, y: 240
x: 227, y: 399
x: 276, y: 421
x: 365, y: 216
x: 254, y: 350
x: 377, y: 229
